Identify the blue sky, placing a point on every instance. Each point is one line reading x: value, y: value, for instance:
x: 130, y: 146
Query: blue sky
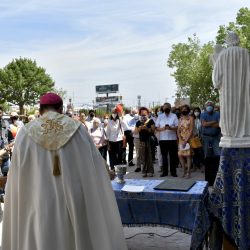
x: 83, y: 43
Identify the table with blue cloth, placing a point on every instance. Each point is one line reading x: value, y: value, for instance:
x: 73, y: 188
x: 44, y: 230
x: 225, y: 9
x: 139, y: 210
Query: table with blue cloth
x: 185, y: 211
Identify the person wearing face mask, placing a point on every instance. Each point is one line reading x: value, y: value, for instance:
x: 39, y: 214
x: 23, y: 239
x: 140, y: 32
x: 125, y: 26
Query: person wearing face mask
x: 91, y: 116
x: 145, y: 127
x: 105, y: 121
x: 90, y: 119
x: 166, y: 125
x: 197, y: 121
x: 104, y: 126
x: 115, y: 138
x: 185, y: 132
x: 15, y: 124
x: 158, y: 112
x: 129, y: 136
x: 136, y: 138
x: 198, y: 157
x: 82, y: 119
x: 178, y: 113
x: 98, y: 135
x: 210, y: 131
x: 6, y: 137
x: 211, y: 135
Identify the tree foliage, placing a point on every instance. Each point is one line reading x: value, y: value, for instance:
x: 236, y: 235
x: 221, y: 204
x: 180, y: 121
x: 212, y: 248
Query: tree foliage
x: 22, y: 82
x: 192, y: 71
x: 190, y: 60
x: 241, y: 26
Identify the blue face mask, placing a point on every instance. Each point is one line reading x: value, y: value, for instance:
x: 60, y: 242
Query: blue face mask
x: 159, y: 113
x: 209, y: 108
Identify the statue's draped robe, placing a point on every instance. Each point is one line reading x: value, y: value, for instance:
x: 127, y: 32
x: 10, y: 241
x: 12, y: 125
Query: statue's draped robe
x: 72, y: 208
x: 229, y: 199
x: 231, y: 76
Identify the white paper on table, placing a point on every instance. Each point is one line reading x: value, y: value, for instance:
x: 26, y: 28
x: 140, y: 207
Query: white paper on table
x: 133, y: 189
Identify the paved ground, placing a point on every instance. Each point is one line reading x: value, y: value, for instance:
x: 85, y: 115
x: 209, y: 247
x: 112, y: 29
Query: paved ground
x: 197, y: 175
x: 147, y: 241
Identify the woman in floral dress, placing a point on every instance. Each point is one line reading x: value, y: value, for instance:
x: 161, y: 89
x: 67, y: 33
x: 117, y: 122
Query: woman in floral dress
x: 185, y: 133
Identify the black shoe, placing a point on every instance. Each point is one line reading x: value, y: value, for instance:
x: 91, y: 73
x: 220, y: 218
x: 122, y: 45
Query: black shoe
x: 131, y: 164
x: 163, y: 175
x: 137, y: 170
x: 174, y: 175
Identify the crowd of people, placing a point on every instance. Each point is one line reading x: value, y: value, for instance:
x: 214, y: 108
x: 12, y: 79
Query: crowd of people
x: 176, y: 136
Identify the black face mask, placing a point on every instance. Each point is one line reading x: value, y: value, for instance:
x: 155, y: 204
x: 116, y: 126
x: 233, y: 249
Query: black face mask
x: 185, y: 112
x: 167, y: 110
x: 91, y: 115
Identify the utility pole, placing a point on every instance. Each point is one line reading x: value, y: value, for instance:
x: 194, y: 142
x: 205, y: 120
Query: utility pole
x: 139, y: 101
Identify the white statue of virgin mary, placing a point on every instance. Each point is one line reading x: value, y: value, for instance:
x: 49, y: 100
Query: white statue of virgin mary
x: 231, y: 75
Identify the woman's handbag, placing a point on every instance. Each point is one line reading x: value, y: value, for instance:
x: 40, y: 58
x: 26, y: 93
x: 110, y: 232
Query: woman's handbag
x: 195, y: 142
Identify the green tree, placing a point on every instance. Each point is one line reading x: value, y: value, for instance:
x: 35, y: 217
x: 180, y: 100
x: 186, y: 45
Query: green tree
x: 22, y: 82
x: 192, y: 70
x: 241, y: 26
x: 190, y: 60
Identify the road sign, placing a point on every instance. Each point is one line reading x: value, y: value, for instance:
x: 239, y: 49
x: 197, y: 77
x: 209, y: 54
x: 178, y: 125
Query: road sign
x: 105, y: 89
x: 107, y: 100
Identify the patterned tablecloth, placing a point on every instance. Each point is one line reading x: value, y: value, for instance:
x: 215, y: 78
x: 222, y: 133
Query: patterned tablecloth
x: 185, y: 211
x: 230, y: 198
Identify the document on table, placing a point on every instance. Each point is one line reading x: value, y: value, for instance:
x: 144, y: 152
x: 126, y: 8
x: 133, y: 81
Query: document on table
x: 133, y: 189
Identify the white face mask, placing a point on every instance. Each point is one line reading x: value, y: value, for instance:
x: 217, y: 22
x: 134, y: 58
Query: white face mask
x: 105, y: 121
x: 196, y: 113
x: 136, y: 116
x: 114, y: 115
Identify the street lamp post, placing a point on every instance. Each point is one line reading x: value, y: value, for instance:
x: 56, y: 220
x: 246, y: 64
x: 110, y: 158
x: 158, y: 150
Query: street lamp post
x: 139, y: 101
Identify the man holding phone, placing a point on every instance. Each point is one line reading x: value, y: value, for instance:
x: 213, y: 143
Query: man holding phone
x: 167, y: 124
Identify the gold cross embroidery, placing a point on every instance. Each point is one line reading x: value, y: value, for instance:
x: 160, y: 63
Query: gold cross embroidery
x: 51, y: 125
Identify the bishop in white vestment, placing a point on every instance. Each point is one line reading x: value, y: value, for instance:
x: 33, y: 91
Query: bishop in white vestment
x: 58, y: 195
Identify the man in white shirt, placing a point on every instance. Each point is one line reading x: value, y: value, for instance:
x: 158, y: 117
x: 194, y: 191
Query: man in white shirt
x: 129, y: 136
x: 166, y: 125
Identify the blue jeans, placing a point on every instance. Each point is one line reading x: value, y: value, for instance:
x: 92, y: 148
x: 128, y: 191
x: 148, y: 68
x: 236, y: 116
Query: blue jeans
x: 211, y: 145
